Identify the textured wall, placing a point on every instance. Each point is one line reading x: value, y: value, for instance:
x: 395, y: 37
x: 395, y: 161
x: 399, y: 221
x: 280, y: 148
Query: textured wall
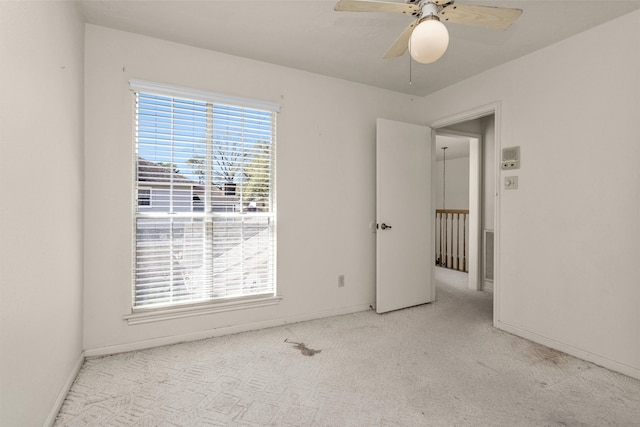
x: 41, y: 174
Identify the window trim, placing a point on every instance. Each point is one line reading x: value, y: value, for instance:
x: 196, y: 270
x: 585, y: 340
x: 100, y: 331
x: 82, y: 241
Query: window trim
x: 141, y: 315
x: 201, y: 95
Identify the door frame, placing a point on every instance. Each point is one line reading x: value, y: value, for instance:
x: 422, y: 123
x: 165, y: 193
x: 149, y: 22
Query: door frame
x: 472, y: 114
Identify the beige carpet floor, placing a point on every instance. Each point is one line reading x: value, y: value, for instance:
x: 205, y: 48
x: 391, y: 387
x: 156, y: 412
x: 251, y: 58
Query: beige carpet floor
x: 440, y: 364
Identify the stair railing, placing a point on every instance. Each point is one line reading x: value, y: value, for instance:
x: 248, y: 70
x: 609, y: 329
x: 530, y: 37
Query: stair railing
x: 451, y: 238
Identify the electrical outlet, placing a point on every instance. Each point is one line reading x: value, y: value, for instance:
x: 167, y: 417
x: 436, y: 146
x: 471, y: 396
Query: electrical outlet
x: 340, y: 280
x: 514, y: 164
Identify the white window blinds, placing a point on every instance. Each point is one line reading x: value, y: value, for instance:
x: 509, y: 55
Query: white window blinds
x: 204, y: 188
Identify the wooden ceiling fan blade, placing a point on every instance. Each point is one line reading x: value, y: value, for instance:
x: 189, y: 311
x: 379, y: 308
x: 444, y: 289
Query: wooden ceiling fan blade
x: 374, y: 6
x: 400, y: 46
x: 499, y: 18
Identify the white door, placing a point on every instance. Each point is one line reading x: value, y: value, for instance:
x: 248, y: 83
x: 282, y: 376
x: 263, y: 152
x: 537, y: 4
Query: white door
x: 404, y: 238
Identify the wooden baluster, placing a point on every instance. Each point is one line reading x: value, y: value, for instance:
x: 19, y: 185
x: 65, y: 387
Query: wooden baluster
x: 450, y: 250
x: 458, y: 244
x: 453, y: 242
x: 445, y: 228
x: 450, y: 235
x: 464, y: 242
x: 453, y: 258
x: 440, y: 238
x: 446, y: 221
x: 444, y: 239
x: 435, y: 239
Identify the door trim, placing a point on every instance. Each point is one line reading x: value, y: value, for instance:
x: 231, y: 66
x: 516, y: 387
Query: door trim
x: 472, y: 114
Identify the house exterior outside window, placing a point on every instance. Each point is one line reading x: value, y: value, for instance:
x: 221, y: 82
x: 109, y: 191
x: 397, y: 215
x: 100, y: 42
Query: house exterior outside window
x: 144, y: 197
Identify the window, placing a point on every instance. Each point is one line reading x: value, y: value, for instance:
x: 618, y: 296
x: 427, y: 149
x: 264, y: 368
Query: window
x: 205, y: 217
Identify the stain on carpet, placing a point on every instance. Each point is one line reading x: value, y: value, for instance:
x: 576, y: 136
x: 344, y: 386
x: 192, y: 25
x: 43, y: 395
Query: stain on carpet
x: 306, y: 351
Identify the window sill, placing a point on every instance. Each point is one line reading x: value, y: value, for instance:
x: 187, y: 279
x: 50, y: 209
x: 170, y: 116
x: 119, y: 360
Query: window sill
x: 161, y: 314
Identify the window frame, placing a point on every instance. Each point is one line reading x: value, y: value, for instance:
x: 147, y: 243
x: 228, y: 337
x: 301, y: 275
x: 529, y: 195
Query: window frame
x: 144, y: 314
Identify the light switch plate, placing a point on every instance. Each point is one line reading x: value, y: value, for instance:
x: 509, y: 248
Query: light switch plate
x: 510, y: 182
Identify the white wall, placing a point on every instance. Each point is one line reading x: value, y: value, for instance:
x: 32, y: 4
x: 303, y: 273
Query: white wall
x: 325, y: 176
x: 569, y: 235
x: 457, y: 183
x: 468, y: 126
x: 41, y: 175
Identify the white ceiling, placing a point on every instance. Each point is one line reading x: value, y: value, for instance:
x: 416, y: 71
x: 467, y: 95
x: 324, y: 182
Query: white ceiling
x: 457, y: 147
x: 309, y: 35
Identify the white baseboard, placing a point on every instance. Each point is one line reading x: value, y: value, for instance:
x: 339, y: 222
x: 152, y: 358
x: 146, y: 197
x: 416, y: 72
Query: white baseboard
x: 63, y: 392
x: 598, y: 359
x: 227, y: 330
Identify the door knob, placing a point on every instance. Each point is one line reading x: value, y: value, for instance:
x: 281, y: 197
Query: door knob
x: 385, y: 226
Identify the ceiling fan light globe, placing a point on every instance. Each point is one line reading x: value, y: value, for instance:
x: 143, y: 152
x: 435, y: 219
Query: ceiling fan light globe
x: 429, y: 41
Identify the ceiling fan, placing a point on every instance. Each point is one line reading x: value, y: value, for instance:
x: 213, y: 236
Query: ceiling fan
x: 426, y: 37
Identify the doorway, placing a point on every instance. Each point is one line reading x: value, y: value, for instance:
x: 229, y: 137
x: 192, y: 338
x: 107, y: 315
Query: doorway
x: 480, y: 126
x: 456, y: 224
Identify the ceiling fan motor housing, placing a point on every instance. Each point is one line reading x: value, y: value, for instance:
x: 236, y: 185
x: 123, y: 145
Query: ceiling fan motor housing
x: 429, y: 9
